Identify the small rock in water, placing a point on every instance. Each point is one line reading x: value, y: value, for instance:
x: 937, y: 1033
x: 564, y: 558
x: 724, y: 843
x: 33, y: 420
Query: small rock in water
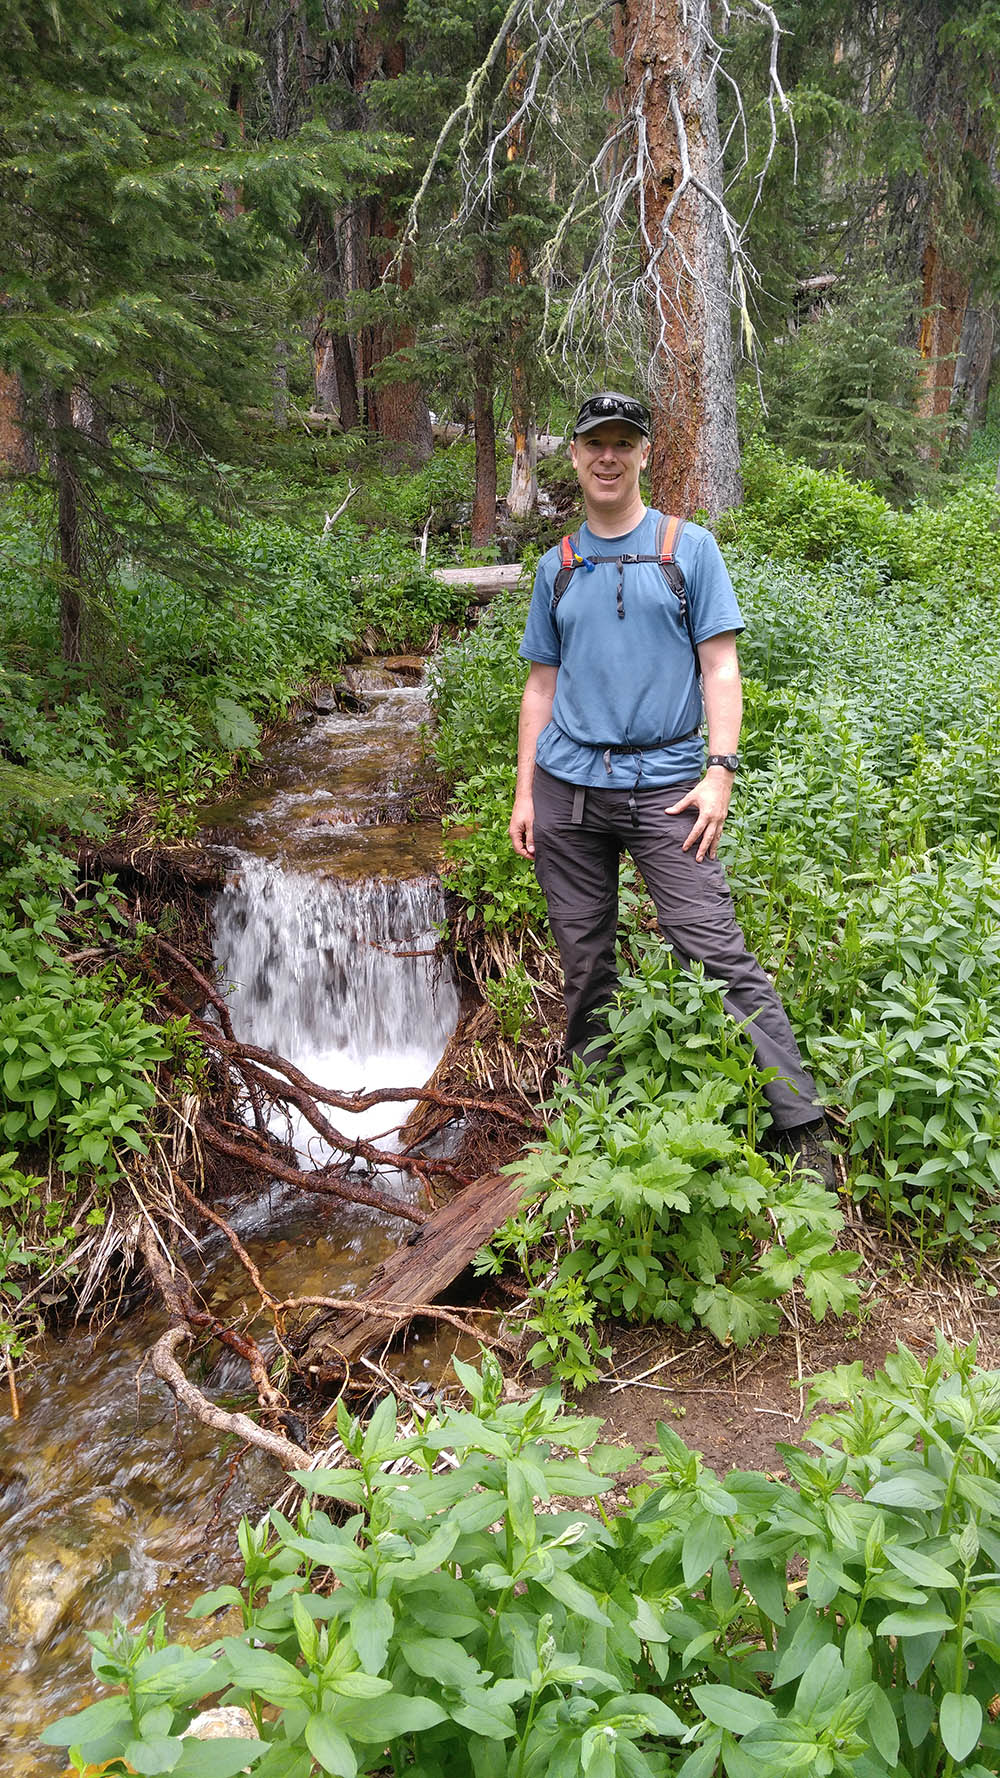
x: 42, y: 1582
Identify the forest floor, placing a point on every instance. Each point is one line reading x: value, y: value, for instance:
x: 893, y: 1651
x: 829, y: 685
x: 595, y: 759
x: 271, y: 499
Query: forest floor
x: 736, y: 1407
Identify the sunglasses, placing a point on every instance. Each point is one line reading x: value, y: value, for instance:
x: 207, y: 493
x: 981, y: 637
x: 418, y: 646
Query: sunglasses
x: 618, y: 407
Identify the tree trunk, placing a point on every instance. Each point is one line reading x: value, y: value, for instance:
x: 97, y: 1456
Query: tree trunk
x: 69, y: 528
x: 945, y: 300
x: 17, y: 447
x: 669, y: 73
x: 326, y: 384
x: 973, y: 366
x: 397, y: 411
x: 336, y: 381
x: 523, y: 496
x: 279, y: 385
x: 484, y: 506
x: 87, y: 417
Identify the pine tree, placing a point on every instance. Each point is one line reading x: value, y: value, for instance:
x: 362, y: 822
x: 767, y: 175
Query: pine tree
x: 140, y: 236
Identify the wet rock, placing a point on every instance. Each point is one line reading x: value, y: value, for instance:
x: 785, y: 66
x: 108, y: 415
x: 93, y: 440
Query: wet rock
x: 42, y: 1582
x: 226, y: 1720
x: 13, y: 1488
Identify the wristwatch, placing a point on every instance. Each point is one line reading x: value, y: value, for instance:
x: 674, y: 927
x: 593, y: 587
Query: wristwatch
x: 731, y: 761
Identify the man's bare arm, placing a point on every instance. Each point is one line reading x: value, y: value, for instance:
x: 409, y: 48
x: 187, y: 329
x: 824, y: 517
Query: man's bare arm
x: 536, y: 710
x: 723, y: 695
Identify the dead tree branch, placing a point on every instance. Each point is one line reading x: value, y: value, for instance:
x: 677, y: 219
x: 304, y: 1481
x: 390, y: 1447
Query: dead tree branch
x: 167, y: 1368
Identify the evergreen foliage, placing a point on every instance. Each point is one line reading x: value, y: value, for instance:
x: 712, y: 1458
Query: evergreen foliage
x: 142, y: 241
x: 842, y: 391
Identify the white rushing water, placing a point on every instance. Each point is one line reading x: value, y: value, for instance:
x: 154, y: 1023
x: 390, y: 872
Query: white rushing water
x: 317, y: 971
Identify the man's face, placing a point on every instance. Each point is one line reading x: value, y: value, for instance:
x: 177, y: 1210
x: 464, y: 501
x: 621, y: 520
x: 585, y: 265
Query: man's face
x: 608, y: 462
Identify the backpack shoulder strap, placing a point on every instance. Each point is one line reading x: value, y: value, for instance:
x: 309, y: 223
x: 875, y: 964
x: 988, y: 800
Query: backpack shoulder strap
x: 669, y: 531
x: 568, y: 560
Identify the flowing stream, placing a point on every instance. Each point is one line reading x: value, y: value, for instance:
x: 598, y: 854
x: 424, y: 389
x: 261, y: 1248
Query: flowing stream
x: 325, y: 937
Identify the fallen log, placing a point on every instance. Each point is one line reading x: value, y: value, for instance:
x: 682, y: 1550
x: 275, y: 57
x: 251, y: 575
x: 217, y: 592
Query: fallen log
x: 416, y: 1273
x: 483, y: 582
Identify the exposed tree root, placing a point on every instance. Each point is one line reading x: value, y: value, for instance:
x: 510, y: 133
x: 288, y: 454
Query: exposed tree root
x: 166, y: 1367
x: 325, y: 1181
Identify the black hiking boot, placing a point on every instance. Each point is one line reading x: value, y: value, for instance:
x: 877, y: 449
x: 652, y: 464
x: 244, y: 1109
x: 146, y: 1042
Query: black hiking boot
x: 808, y: 1146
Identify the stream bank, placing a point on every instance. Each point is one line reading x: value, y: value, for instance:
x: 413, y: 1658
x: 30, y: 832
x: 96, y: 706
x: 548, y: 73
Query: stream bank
x: 327, y: 934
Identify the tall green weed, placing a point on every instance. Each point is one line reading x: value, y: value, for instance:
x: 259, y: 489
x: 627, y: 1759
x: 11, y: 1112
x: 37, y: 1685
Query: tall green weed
x: 457, y: 1599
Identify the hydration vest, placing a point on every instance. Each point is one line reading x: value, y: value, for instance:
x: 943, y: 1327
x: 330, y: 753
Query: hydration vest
x: 669, y: 530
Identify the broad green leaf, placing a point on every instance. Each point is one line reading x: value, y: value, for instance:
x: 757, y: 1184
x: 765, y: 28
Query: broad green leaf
x: 521, y: 1503
x: 96, y: 1719
x: 495, y: 1721
x: 918, y: 1714
x: 441, y: 1659
x: 223, y: 1758
x: 912, y: 1488
x: 822, y: 1687
x: 767, y: 1587
x: 371, y: 1625
x: 732, y: 1709
x: 213, y: 1601
x: 961, y: 1720
x: 920, y: 1620
x: 662, y: 1719
x: 705, y: 1540
x: 159, y: 1753
x: 394, y: 1714
x: 234, y: 724
x: 883, y: 1727
x: 923, y: 1569
x: 807, y: 1633
x: 330, y: 1747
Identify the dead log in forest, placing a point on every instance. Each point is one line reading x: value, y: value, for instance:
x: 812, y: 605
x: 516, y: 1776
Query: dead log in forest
x: 416, y: 1273
x: 484, y: 582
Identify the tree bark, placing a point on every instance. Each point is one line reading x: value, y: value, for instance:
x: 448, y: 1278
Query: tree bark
x: 69, y: 529
x: 395, y: 410
x: 670, y: 76
x: 974, y: 365
x: 279, y: 385
x: 523, y: 496
x: 484, y: 506
x: 17, y: 447
x: 336, y: 383
x: 945, y: 300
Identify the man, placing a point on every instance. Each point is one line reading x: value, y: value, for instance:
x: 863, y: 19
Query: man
x: 610, y: 755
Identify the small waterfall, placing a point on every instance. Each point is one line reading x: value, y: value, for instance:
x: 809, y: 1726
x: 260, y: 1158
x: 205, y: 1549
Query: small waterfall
x: 330, y: 974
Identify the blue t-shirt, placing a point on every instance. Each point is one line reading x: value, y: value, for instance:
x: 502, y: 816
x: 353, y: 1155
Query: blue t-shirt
x: 629, y: 679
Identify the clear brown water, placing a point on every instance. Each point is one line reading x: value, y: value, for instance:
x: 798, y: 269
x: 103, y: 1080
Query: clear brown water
x: 103, y: 1490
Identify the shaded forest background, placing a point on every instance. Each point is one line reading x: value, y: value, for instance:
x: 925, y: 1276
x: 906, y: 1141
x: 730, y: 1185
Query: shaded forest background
x: 225, y: 223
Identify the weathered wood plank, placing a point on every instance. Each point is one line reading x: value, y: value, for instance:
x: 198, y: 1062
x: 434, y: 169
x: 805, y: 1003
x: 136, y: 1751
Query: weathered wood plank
x: 416, y: 1273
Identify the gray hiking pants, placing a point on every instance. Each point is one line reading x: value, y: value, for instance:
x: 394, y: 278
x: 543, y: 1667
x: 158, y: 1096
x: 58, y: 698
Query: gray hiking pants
x: 579, y: 838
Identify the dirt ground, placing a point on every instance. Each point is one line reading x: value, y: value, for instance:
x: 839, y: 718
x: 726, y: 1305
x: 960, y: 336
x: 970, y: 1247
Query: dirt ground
x: 735, y: 1407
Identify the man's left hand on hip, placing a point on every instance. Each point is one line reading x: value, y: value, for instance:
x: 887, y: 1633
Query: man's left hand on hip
x: 711, y: 799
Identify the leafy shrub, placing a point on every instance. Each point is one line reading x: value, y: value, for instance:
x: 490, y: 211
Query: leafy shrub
x: 792, y: 512
x: 644, y: 1203
x: 459, y: 1621
x: 76, y: 1062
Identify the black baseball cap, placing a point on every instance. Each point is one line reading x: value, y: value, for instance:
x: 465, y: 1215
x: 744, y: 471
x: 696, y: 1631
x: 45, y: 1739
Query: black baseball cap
x: 610, y: 405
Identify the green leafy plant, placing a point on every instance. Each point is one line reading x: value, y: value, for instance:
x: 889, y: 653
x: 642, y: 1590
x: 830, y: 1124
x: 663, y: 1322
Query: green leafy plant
x: 458, y: 1600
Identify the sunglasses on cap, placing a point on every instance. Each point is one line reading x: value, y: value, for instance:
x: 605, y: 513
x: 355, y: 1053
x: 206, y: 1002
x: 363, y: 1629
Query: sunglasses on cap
x: 599, y: 408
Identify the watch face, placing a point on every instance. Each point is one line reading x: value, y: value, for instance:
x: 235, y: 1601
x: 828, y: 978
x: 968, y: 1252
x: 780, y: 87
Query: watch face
x: 731, y: 761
